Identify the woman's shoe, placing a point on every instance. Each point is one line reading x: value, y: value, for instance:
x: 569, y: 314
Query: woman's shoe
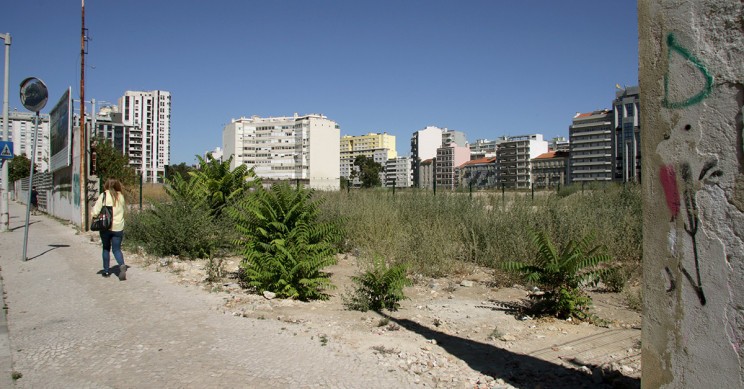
x: 105, y: 274
x: 122, y: 272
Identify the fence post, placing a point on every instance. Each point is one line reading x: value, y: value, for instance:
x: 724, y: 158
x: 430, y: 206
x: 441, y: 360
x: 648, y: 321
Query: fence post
x: 394, y: 181
x: 533, y: 191
x: 434, y: 182
x: 471, y: 190
x: 503, y: 193
x: 140, y: 192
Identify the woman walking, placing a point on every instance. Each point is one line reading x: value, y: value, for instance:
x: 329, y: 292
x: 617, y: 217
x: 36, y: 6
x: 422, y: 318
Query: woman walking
x: 111, y: 239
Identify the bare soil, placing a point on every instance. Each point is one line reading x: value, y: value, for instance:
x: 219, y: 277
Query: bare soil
x: 452, y: 332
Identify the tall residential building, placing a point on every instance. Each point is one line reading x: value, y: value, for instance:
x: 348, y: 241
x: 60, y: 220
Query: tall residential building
x: 591, y: 141
x: 150, y: 114
x: 21, y: 133
x: 379, y: 147
x: 125, y: 138
x: 550, y: 169
x: 304, y: 148
x: 448, y: 159
x: 514, y: 160
x: 424, y: 145
x: 627, y: 124
x: 398, y: 173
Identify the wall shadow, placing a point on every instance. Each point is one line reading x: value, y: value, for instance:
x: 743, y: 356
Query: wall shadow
x: 521, y: 371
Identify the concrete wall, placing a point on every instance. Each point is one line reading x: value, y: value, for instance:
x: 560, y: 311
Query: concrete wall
x: 692, y: 92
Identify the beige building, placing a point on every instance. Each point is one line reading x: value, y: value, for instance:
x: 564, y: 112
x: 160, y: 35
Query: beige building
x: 550, y: 169
x: 304, y: 148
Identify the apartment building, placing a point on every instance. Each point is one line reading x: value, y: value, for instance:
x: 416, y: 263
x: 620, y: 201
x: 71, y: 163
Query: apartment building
x: 514, y: 160
x: 550, y: 169
x: 424, y: 145
x: 304, y: 148
x: 591, y: 147
x: 378, y: 146
x: 627, y: 137
x: 481, y: 173
x: 109, y: 127
x: 21, y: 133
x: 484, y: 148
x: 448, y: 159
x: 426, y: 174
x: 398, y: 172
x: 148, y: 115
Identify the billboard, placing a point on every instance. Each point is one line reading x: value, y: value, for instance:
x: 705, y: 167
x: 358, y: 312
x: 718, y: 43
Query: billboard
x: 60, y: 123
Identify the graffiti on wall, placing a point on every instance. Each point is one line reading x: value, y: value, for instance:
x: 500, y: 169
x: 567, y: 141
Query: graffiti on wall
x: 674, y: 48
x: 677, y: 180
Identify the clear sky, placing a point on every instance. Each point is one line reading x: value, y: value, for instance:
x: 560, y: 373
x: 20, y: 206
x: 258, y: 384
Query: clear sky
x: 485, y: 67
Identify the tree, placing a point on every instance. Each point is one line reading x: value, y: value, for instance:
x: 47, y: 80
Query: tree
x: 182, y: 169
x: 367, y: 170
x: 19, y: 167
x: 111, y: 163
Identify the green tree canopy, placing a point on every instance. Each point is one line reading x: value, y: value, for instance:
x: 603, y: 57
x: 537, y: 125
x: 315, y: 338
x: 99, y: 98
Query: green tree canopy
x: 19, y: 167
x: 182, y: 169
x: 368, y: 171
x: 111, y: 163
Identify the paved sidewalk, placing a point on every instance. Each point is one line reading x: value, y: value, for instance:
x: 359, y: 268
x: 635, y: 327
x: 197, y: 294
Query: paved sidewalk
x: 71, y: 328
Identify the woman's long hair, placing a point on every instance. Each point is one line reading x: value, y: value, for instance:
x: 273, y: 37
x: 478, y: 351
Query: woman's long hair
x: 114, y: 187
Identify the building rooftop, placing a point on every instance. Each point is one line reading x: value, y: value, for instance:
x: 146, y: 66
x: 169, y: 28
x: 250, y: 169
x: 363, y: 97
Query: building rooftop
x: 479, y: 161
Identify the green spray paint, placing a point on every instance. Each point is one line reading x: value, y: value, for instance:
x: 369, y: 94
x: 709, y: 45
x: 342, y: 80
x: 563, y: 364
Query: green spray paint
x: 674, y: 46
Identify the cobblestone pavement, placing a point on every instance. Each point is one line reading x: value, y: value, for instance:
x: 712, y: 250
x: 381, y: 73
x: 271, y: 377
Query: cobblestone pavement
x: 68, y: 327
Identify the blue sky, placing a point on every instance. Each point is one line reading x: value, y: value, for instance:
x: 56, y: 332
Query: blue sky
x: 487, y: 68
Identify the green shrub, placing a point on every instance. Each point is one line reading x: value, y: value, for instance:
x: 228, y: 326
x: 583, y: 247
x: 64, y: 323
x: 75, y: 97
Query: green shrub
x: 378, y: 288
x: 285, y: 245
x: 561, y: 274
x: 177, y: 228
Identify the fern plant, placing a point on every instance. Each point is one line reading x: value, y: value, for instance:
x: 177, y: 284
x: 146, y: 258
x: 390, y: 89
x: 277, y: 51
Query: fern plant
x: 562, y: 274
x: 379, y: 288
x: 285, y: 246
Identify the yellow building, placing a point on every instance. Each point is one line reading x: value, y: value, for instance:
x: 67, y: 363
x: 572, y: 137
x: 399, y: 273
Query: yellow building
x: 379, y: 147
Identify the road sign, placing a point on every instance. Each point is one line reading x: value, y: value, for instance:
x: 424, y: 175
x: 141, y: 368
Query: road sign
x: 6, y: 150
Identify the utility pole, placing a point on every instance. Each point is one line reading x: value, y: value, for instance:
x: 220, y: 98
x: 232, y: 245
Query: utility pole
x: 83, y: 132
x: 5, y: 217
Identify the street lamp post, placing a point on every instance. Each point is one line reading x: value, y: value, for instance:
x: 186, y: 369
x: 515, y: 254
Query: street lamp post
x: 4, y: 194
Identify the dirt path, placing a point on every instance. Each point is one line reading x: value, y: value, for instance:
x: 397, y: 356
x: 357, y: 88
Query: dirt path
x: 451, y: 332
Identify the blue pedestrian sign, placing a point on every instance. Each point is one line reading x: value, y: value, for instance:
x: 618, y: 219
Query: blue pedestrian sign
x: 6, y: 150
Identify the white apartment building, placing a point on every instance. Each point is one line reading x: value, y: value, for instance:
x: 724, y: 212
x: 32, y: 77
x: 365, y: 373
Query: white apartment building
x: 424, y: 145
x: 149, y: 115
x: 21, y: 133
x: 591, y: 147
x: 398, y: 172
x: 514, y: 158
x: 304, y: 148
x: 379, y: 147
